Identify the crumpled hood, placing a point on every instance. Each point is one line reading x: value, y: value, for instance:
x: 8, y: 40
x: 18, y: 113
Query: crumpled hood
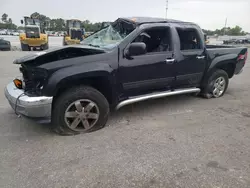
x: 28, y: 57
x: 57, y: 53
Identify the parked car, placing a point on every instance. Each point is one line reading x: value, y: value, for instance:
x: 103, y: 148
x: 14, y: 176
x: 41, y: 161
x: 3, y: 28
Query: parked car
x: 5, y: 45
x: 2, y: 32
x: 15, y: 33
x: 8, y: 32
x: 236, y: 41
x: 246, y: 41
x: 132, y: 60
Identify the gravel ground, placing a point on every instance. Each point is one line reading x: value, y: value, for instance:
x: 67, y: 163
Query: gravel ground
x: 176, y: 142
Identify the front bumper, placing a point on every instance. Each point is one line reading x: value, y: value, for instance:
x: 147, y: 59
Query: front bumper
x: 34, y: 107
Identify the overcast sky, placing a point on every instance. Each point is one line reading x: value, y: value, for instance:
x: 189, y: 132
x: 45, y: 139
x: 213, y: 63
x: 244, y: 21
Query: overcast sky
x: 209, y: 14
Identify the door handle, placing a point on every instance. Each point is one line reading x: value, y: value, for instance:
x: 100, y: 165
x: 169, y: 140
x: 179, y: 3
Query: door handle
x: 200, y: 57
x: 170, y: 61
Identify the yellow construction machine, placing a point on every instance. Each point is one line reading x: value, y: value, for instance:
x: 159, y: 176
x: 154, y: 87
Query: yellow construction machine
x: 34, y: 36
x: 206, y: 38
x: 74, y: 33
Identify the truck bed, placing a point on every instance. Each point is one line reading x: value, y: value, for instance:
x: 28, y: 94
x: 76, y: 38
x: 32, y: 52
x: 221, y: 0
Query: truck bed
x: 219, y: 50
x: 222, y: 53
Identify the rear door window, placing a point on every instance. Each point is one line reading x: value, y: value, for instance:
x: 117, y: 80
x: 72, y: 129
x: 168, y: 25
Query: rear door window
x: 189, y: 39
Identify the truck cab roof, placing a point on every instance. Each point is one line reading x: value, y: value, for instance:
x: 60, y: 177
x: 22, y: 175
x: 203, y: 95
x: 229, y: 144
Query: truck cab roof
x: 147, y: 20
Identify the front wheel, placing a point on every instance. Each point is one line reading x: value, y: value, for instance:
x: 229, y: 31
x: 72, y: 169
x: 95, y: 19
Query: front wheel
x: 79, y: 110
x: 216, y: 84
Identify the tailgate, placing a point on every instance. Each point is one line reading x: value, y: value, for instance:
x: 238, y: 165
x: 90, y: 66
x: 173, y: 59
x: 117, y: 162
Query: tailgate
x: 241, y: 61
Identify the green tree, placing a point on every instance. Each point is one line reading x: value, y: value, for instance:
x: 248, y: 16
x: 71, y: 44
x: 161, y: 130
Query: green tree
x: 7, y: 22
x: 237, y: 30
x: 10, y: 21
x: 35, y: 15
x: 44, y: 20
x: 20, y: 27
x: 4, y: 17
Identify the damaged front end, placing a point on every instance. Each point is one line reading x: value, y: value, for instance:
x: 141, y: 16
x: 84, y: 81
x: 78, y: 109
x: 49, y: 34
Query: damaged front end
x: 33, y: 80
x: 27, y: 95
x: 24, y: 95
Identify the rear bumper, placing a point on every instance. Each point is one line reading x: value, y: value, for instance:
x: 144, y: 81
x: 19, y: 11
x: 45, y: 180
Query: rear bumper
x: 34, y: 42
x: 34, y: 107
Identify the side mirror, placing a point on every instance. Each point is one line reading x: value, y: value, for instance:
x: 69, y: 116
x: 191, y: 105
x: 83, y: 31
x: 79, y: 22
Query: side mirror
x: 21, y: 21
x: 136, y: 48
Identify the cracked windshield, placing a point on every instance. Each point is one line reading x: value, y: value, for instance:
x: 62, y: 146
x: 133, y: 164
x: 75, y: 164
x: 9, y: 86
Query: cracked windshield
x: 110, y: 36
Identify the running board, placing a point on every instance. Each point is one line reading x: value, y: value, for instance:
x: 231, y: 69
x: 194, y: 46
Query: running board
x: 156, y: 95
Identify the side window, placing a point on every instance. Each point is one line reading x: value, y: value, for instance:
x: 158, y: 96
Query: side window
x: 156, y: 39
x: 189, y: 39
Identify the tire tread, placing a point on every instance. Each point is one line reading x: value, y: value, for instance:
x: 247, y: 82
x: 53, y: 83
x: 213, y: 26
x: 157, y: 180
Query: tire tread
x: 74, y: 94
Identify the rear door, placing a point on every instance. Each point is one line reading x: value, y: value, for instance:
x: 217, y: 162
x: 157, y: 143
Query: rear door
x: 190, y: 58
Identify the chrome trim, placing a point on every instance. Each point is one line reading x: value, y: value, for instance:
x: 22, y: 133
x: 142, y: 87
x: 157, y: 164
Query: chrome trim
x: 156, y: 95
x: 170, y: 61
x: 26, y: 105
x: 200, y: 57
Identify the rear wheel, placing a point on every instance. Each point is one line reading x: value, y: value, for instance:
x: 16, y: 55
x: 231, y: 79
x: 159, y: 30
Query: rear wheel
x: 45, y: 46
x: 64, y: 42
x: 25, y: 47
x: 79, y: 110
x: 216, y: 85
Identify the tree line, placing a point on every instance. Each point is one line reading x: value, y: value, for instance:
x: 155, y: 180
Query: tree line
x: 7, y: 22
x: 58, y: 25
x: 234, y: 31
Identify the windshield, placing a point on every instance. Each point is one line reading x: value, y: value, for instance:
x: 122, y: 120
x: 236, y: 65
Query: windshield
x: 110, y: 36
x: 32, y: 30
x: 30, y: 21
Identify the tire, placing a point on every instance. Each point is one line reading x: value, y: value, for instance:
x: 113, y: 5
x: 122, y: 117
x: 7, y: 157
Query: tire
x: 66, y: 102
x: 45, y: 46
x: 25, y: 47
x: 218, y: 76
x: 64, y: 42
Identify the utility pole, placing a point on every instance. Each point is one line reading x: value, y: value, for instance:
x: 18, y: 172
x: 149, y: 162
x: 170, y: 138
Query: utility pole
x: 166, y: 9
x: 225, y: 27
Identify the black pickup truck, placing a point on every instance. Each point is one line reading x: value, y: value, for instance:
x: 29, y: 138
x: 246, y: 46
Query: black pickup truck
x: 131, y: 60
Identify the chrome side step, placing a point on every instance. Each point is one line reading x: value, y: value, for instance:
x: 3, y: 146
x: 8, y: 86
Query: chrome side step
x: 156, y: 95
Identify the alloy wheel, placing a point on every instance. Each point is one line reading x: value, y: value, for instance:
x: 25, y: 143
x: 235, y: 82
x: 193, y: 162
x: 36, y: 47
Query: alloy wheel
x: 219, y: 87
x: 81, y: 115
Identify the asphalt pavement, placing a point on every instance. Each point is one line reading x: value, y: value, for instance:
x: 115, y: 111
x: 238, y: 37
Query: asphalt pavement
x: 176, y: 142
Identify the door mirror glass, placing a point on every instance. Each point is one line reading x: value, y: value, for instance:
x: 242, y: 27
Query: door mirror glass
x: 136, y: 48
x: 21, y: 21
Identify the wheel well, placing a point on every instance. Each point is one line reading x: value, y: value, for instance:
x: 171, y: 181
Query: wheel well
x: 228, y: 68
x: 102, y: 84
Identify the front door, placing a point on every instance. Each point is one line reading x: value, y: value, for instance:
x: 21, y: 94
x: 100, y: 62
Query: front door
x: 152, y: 71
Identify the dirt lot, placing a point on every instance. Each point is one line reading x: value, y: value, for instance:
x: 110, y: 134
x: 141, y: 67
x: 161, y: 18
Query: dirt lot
x: 180, y: 141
